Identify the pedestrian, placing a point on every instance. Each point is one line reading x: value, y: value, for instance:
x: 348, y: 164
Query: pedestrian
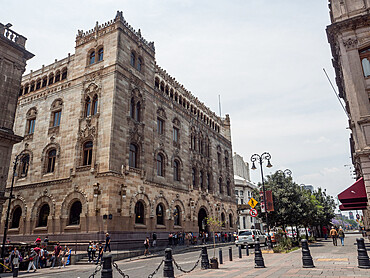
x: 14, y: 253
x: 43, y: 257
x: 89, y: 251
x: 94, y: 248
x: 334, y: 234
x: 146, y: 246
x: 15, y: 263
x: 100, y: 253
x: 65, y: 254
x: 36, y: 260
x: 57, y: 254
x: 46, y: 240
x: 325, y: 232
x: 31, y: 263
x: 38, y: 240
x: 341, y: 235
x: 107, y: 242
x: 154, y: 239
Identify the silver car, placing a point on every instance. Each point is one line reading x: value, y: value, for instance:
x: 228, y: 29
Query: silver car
x: 249, y: 237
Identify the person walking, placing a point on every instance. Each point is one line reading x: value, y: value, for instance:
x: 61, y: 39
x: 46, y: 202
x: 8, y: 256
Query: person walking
x: 100, y: 253
x: 107, y: 242
x: 89, y: 251
x: 94, y: 248
x: 154, y: 239
x: 12, y: 255
x: 341, y: 235
x: 65, y: 254
x: 334, y: 234
x: 146, y: 245
x: 57, y: 254
x: 31, y: 263
x: 325, y: 232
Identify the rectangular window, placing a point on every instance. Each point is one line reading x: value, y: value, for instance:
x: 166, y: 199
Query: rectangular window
x: 175, y: 134
x: 241, y: 201
x: 160, y: 125
x: 236, y: 192
x: 31, y: 126
x: 57, y: 116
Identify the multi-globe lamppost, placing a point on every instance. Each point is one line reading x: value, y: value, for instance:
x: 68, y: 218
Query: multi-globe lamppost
x: 260, y: 159
x: 286, y: 172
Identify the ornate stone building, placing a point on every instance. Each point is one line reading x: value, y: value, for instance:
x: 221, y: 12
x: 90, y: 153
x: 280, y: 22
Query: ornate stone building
x: 113, y: 143
x: 349, y: 38
x: 13, y: 58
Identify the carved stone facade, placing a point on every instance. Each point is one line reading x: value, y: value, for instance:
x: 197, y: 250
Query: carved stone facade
x: 349, y: 38
x: 13, y: 57
x: 115, y: 144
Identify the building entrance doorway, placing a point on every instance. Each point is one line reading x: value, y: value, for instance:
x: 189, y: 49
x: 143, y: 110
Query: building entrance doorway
x: 202, y: 221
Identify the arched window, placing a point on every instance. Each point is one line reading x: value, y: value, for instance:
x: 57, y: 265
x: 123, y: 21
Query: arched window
x: 57, y: 76
x: 177, y: 216
x: 64, y: 74
x: 132, y: 108
x: 87, y: 107
x: 87, y: 153
x: 38, y: 84
x: 32, y: 88
x: 220, y: 185
x: 43, y: 216
x: 74, y: 213
x: 160, y: 165
x: 92, y: 58
x: 139, y: 213
x: 100, y: 54
x: 228, y: 188
x: 223, y: 219
x: 133, y: 58
x: 26, y: 89
x: 52, y: 154
x: 25, y: 161
x: 162, y: 86
x: 160, y: 214
x: 132, y: 160
x: 193, y: 177
x: 51, y: 79
x: 94, y: 105
x: 139, y: 64
x: 156, y: 83
x: 137, y: 111
x: 231, y: 224
x: 16, y: 217
x: 44, y: 82
x: 176, y: 170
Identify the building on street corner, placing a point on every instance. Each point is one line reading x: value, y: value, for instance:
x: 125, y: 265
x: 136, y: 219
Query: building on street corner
x: 113, y: 143
x: 243, y: 193
x: 349, y: 38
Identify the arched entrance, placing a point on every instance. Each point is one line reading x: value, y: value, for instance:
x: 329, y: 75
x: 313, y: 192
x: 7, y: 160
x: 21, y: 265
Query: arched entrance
x: 202, y: 221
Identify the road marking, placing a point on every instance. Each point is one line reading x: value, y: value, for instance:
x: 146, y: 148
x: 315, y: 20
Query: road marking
x: 333, y: 260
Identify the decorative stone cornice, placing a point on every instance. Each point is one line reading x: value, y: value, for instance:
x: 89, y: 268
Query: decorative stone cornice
x: 350, y: 43
x: 39, y: 184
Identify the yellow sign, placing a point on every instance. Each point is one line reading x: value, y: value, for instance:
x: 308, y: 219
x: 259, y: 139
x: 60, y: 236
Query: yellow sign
x: 252, y: 202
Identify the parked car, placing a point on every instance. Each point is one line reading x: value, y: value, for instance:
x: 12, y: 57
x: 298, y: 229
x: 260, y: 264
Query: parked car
x: 249, y: 236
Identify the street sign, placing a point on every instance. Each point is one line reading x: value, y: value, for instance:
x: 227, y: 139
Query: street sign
x: 253, y: 212
x: 269, y: 201
x: 252, y: 202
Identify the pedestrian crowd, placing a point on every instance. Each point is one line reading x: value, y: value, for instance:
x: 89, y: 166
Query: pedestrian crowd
x: 334, y: 233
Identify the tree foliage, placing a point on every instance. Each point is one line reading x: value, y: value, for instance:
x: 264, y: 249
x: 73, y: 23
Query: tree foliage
x: 294, y: 205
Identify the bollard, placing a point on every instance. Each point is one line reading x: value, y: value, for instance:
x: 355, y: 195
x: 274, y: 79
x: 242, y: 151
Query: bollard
x: 168, y: 265
x: 220, y: 255
x: 240, y: 252
x: 230, y: 254
x: 362, y: 257
x: 247, y: 250
x: 205, y: 261
x: 306, y: 255
x: 107, y: 271
x: 258, y: 259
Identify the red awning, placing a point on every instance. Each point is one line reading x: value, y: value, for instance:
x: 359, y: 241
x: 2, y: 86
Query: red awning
x: 354, y: 197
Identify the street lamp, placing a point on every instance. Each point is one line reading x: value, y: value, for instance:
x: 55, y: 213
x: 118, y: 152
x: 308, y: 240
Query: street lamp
x: 260, y: 159
x: 8, y: 211
x: 286, y: 172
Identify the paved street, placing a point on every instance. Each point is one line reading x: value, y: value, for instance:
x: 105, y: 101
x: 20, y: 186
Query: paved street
x: 330, y: 261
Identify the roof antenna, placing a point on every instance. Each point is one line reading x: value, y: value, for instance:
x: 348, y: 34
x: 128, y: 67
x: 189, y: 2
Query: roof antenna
x: 335, y: 92
x: 219, y: 104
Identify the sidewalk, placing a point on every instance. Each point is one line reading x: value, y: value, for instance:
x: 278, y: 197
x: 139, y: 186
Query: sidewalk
x: 329, y: 261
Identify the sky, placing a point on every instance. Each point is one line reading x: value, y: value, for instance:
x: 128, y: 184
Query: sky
x: 264, y: 58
